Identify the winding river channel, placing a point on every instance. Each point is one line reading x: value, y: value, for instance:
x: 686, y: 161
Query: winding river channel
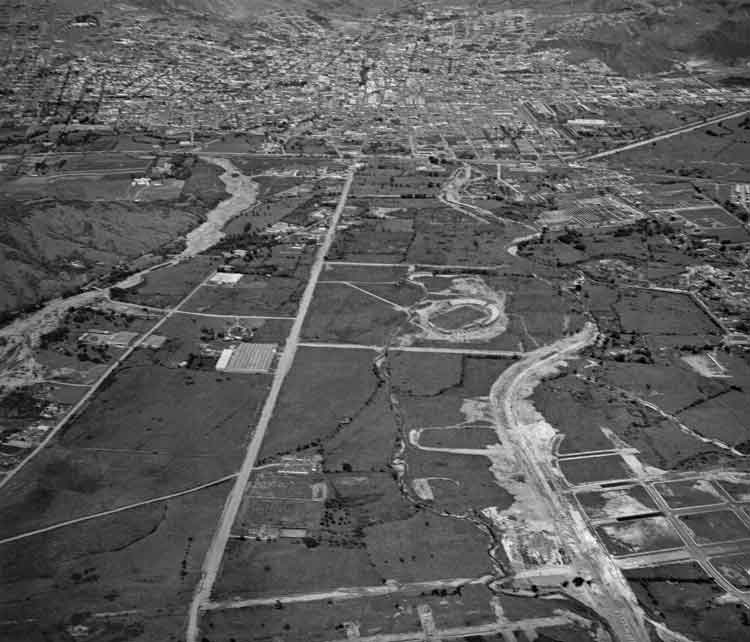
x: 243, y: 192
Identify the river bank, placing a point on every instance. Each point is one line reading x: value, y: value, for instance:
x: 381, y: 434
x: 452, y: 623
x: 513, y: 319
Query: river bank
x: 243, y: 193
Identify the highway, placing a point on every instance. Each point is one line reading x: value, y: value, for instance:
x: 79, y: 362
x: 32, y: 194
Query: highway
x: 219, y: 541
x: 666, y: 135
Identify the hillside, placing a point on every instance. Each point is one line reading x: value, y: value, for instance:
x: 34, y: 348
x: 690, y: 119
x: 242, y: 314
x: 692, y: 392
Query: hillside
x: 56, y: 236
x: 649, y: 37
x: 49, y: 248
x: 248, y: 9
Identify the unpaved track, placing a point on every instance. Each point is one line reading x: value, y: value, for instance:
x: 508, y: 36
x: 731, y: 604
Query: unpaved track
x: 610, y: 596
x: 121, y: 509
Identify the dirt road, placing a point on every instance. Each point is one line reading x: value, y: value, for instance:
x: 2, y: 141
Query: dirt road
x: 610, y: 594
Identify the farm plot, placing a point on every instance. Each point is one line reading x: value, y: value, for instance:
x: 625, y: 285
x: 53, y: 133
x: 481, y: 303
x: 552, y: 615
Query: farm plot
x: 142, y: 564
x: 165, y: 287
x: 453, y: 483
x: 595, y: 469
x: 286, y: 567
x: 723, y: 417
x: 639, y: 536
x: 443, y: 389
x: 428, y: 547
x: 251, y: 296
x: 313, y: 621
x: 583, y: 413
x: 686, y: 599
x: 678, y: 387
x: 616, y: 503
x: 197, y: 340
x: 364, y: 273
x: 705, y: 153
x: 354, y: 313
x: 716, y: 526
x: 663, y: 313
x: 429, y: 235
x: 735, y: 569
x: 330, y: 392
x: 682, y: 494
x: 738, y: 489
x: 148, y: 432
x: 471, y: 437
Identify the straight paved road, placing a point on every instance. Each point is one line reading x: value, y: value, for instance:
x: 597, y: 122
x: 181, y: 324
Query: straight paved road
x: 221, y: 536
x: 669, y: 134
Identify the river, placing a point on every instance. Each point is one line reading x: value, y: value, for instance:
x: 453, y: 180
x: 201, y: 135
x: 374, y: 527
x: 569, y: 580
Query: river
x: 243, y: 192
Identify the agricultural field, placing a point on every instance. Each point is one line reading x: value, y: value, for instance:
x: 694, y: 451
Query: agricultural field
x: 584, y: 413
x: 716, y: 526
x: 368, y: 524
x: 430, y: 235
x: 436, y: 308
x: 738, y: 490
x: 683, y: 494
x: 142, y: 564
x: 643, y: 535
x: 433, y: 387
x: 252, y: 296
x: 290, y: 566
x: 333, y: 397
x: 401, y: 613
x: 202, y: 338
x: 471, y: 437
x: 710, y: 408
x: 150, y: 431
x: 68, y: 355
x: 734, y: 568
x: 716, y: 152
x: 640, y: 255
x: 616, y: 503
x: 352, y: 314
x: 594, y: 469
x: 428, y: 547
x: 644, y: 312
x: 166, y: 287
x: 684, y: 598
